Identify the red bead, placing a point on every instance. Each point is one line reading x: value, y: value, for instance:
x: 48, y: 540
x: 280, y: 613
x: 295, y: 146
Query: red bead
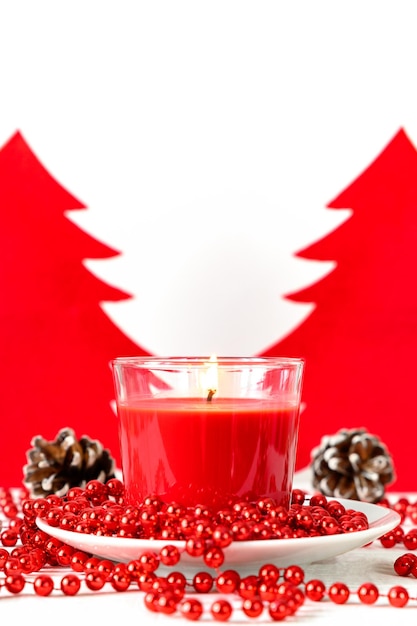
x: 14, y: 583
x: 177, y: 580
x: 27, y: 563
x: 388, y: 540
x: 267, y: 590
x: 214, y: 557
x: 74, y: 492
x: 292, y: 593
x: 222, y: 536
x: 187, y: 524
x: 27, y: 509
x: 339, y: 593
x: 298, y: 496
x: 92, y: 517
x: 134, y: 569
x: 398, y: 596
x: 410, y: 539
x: 106, y: 568
x: 5, y: 497
x: 40, y: 507
x: 37, y: 539
x: 39, y: 558
x: 151, y: 601
x: 43, y: 585
x: 91, y: 563
x: 9, y: 537
x: 241, y: 531
x: 95, y: 580
x: 412, y: 513
x: 250, y: 512
x: 248, y: 586
x: 191, y: 609
x: 53, y: 516
x: 315, y: 590
x: 304, y: 519
x: 318, y: 499
x: 10, y: 510
x: 111, y: 520
x: 221, y: 610
x: 115, y: 488
x: 12, y: 566
x: 17, y: 552
x: 361, y: 523
x: 228, y: 581
x: 95, y: 491
x: 64, y: 555
x: 53, y: 499
x: 72, y: 506
x: 67, y: 521
x: 149, y: 520
x: 265, y: 505
x: 129, y: 523
x: 195, y: 546
x: 399, y: 534
x: 269, y: 572
x: 52, y: 545
x: 80, y: 503
x: 120, y: 579
x: 160, y: 585
x: 279, y: 609
x: 401, y: 507
x: 170, y: 555
x: 146, y: 580
x: 166, y: 603
x: 203, y: 582
x: 368, y: 593
x: 70, y: 585
x: 404, y: 564
x: 279, y: 514
x: 294, y: 574
x: 149, y: 561
x: 173, y: 510
x: 4, y: 555
x: 203, y: 528
x: 329, y: 525
x: 78, y: 559
x: 252, y: 607
x: 16, y: 523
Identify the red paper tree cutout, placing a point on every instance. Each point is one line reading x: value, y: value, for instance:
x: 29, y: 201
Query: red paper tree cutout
x: 360, y: 342
x: 56, y: 341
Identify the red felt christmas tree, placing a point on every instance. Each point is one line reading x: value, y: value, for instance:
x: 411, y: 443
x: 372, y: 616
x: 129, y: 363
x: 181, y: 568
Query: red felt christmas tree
x: 360, y: 342
x: 56, y: 341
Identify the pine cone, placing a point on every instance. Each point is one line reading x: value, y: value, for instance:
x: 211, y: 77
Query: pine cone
x: 55, y: 466
x: 352, y: 464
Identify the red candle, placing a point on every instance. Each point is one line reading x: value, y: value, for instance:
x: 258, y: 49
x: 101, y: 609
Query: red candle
x: 197, y: 451
x: 198, y: 431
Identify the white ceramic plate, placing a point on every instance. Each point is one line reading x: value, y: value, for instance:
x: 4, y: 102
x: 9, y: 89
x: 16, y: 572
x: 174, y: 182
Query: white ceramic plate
x: 243, y: 555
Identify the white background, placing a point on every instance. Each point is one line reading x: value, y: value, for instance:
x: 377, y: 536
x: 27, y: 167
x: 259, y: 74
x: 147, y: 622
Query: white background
x: 205, y: 139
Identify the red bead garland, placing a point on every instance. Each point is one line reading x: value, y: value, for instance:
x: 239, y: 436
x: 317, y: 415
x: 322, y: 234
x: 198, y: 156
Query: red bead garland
x: 100, y: 509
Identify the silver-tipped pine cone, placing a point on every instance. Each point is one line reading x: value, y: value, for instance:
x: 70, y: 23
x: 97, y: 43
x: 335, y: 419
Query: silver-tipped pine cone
x: 55, y: 466
x: 352, y: 464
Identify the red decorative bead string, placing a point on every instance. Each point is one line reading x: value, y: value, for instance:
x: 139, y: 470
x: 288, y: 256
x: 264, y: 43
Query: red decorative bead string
x: 100, y: 509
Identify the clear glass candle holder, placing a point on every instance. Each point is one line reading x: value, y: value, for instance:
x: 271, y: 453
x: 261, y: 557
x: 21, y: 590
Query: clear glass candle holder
x: 199, y: 430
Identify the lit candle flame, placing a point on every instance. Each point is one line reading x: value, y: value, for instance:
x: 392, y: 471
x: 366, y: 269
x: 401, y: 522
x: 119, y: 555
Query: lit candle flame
x: 211, y: 377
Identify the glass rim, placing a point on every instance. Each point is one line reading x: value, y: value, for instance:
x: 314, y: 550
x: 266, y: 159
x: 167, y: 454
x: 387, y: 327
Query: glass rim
x: 204, y: 361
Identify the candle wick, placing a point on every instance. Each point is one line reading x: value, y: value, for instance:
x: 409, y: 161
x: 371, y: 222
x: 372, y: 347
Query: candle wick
x: 211, y: 393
